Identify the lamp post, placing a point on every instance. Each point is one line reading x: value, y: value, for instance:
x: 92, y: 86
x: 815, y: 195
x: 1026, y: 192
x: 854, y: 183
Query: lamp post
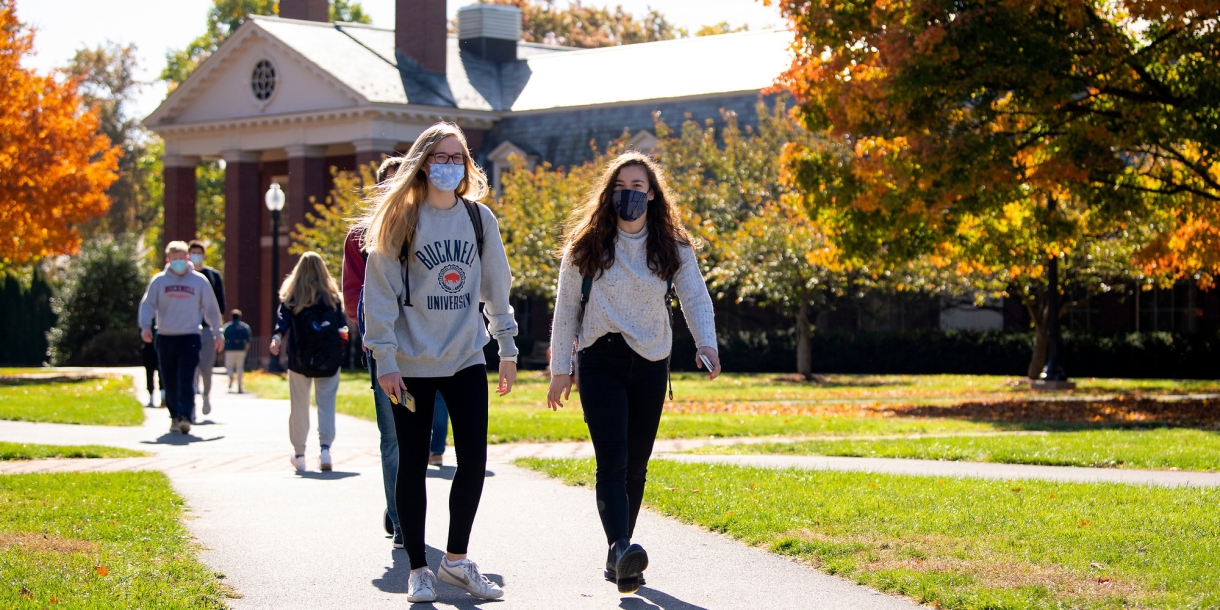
x: 275, y: 203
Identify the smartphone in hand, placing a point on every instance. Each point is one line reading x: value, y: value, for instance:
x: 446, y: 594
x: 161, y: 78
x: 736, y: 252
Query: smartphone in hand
x: 707, y: 364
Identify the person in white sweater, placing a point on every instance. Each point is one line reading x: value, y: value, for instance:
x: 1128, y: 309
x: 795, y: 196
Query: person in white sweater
x: 626, y: 248
x: 433, y: 256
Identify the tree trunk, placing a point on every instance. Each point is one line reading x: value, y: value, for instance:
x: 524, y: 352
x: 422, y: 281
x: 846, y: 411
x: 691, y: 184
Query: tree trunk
x: 804, y: 356
x: 1042, y: 341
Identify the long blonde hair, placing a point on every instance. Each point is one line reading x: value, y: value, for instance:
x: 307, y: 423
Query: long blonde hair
x: 308, y: 284
x: 394, y: 212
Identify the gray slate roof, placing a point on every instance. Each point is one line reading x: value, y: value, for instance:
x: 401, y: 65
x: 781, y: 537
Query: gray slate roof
x: 545, y: 77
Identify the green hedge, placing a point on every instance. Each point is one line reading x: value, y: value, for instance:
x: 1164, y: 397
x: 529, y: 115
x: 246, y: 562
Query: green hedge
x: 25, y: 318
x: 1135, y: 355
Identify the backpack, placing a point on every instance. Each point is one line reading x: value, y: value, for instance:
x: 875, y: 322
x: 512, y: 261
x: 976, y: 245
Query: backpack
x: 476, y: 219
x: 317, y: 349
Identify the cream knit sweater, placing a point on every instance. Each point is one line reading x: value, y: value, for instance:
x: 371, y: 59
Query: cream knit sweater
x: 630, y: 299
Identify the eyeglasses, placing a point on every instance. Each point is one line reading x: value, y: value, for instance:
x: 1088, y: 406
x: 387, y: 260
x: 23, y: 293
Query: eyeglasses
x: 443, y: 158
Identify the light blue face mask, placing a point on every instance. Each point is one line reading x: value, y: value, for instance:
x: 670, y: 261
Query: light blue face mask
x: 178, y: 266
x: 446, y: 176
x: 197, y: 260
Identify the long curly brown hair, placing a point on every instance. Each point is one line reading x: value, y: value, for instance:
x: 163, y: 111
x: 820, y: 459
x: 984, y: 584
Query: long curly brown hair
x: 593, y: 226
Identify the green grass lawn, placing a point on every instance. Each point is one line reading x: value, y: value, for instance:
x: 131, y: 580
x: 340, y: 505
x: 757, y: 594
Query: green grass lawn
x: 957, y: 543
x: 98, y: 540
x: 101, y: 401
x: 22, y: 451
x: 1156, y: 448
x: 767, y: 405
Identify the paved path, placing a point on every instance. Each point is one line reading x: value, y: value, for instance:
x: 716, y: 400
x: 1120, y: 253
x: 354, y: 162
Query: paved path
x: 315, y: 541
x: 935, y: 468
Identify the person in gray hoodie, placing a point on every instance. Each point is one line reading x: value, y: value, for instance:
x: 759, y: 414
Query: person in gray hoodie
x: 434, y: 255
x: 180, y: 299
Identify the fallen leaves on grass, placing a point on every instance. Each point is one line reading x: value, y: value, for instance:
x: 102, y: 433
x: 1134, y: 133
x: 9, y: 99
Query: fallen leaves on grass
x: 1116, y: 410
x: 101, y: 570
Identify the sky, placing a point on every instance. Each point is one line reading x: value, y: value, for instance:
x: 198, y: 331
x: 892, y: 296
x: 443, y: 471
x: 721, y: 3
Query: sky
x: 63, y: 26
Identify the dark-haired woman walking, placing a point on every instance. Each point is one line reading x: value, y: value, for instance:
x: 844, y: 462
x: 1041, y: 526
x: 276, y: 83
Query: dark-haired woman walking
x: 624, y: 252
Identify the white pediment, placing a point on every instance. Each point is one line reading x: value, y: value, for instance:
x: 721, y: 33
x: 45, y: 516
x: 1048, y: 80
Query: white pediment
x: 223, y: 88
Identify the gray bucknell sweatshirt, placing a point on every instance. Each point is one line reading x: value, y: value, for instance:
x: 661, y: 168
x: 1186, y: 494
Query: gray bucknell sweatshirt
x: 441, y: 332
x: 179, y: 302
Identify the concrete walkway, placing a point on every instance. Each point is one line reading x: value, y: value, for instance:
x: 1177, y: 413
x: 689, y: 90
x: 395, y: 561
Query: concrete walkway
x: 935, y: 468
x: 285, y: 540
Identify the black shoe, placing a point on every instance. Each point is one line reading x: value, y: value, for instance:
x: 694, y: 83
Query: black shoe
x: 626, y: 567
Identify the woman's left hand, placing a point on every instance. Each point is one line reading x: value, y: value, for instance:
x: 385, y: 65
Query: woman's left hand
x: 508, y: 376
x: 712, y: 357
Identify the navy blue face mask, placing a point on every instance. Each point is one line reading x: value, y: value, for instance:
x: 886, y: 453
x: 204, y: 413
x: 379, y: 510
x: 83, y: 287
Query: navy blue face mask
x: 631, y: 204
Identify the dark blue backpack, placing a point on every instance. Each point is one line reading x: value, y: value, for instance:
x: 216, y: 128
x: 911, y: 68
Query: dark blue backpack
x: 317, y: 348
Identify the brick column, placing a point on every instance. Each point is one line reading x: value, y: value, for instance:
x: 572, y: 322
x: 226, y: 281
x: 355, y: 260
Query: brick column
x: 178, y: 172
x: 306, y: 180
x: 243, y: 255
x: 373, y: 150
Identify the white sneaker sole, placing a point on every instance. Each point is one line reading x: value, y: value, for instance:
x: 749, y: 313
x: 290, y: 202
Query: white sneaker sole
x: 421, y: 599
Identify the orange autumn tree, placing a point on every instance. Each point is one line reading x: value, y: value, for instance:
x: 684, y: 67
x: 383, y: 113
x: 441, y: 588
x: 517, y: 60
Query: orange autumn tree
x: 54, y: 166
x: 996, y: 142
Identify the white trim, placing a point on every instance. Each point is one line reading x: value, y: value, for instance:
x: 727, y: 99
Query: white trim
x: 477, y: 119
x: 499, y: 158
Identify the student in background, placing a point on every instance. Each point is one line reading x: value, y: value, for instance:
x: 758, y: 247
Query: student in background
x: 150, y: 369
x: 208, y: 335
x: 311, y: 315
x: 237, y: 337
x: 181, y: 300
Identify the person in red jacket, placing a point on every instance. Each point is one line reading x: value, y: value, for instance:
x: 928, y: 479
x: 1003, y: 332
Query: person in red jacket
x: 353, y: 284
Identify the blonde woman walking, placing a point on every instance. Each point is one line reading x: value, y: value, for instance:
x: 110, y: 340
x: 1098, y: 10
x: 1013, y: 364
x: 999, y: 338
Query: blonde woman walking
x: 434, y: 255
x: 312, y: 316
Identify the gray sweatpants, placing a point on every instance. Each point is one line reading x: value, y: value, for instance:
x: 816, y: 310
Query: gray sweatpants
x: 207, y: 360
x: 325, y: 390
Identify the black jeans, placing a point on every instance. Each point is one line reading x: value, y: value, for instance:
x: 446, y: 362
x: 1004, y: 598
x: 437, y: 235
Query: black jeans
x: 466, y: 395
x: 622, y: 395
x: 178, y: 356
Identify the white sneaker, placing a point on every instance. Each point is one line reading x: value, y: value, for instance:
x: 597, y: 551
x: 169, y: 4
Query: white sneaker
x: 421, y: 587
x: 466, y: 575
x: 325, y: 462
x: 298, y: 462
x: 173, y: 424
x: 207, y: 405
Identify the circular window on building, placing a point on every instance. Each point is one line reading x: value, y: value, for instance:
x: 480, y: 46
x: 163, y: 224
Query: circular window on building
x: 262, y: 82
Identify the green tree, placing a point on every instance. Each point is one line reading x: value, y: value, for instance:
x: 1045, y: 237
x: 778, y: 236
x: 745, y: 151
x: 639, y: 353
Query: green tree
x: 209, y: 212
x: 325, y: 231
x: 106, y: 74
x: 349, y: 11
x: 26, y: 310
x: 223, y: 19
x: 723, y: 27
x: 992, y: 141
x: 578, y: 25
x: 98, y: 307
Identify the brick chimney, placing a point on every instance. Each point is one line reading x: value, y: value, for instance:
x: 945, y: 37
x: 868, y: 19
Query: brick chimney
x: 421, y: 32
x: 306, y: 10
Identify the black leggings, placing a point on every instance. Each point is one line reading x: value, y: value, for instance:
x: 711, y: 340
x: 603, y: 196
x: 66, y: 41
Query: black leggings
x: 465, y: 393
x: 622, y: 395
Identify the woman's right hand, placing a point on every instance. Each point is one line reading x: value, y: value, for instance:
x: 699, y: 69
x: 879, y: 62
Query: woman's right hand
x: 560, y: 384
x: 274, y: 348
x: 392, y: 384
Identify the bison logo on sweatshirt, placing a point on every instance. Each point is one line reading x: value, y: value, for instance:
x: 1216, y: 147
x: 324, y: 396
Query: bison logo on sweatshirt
x: 451, y: 278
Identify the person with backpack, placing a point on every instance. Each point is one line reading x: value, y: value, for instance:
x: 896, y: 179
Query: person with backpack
x: 207, y: 356
x: 180, y: 300
x: 433, y: 256
x: 624, y: 254
x: 354, y: 259
x: 311, y: 314
x: 237, y: 340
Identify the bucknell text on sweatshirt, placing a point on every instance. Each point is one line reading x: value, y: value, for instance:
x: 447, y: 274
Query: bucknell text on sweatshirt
x: 442, y: 331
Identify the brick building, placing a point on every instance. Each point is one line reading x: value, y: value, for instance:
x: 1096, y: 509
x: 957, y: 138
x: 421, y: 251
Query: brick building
x: 287, y: 98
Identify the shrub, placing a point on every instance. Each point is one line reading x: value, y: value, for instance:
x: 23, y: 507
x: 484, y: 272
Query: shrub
x: 97, y: 307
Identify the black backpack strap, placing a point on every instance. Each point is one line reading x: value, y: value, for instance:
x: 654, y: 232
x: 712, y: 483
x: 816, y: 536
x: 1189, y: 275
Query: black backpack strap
x: 403, y: 257
x: 476, y: 219
x: 669, y: 306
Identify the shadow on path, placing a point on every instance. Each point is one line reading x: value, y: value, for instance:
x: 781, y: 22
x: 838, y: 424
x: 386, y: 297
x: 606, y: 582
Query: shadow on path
x: 174, y: 438
x: 446, y: 472
x: 658, y: 599
x: 395, y: 581
x: 333, y: 475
